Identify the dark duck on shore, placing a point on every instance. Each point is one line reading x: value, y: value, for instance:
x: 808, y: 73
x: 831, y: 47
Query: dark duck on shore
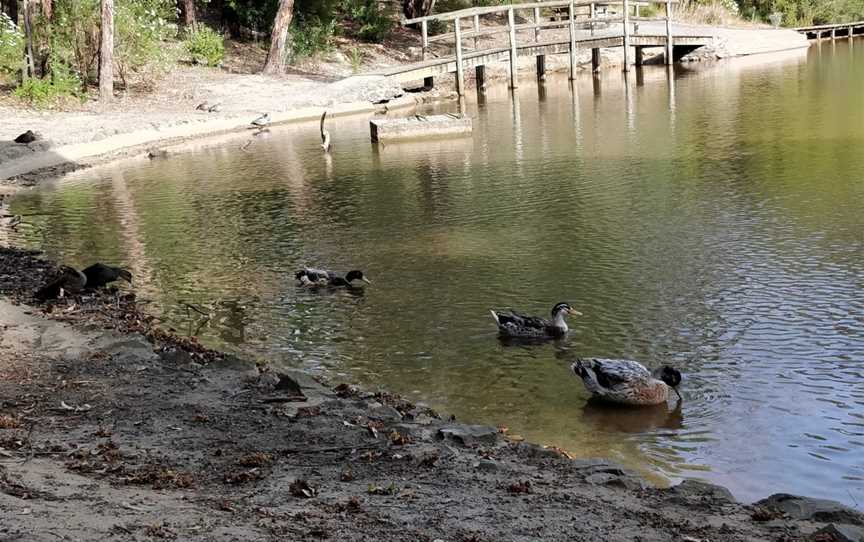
x: 517, y: 325
x: 627, y: 382
x: 99, y: 275
x: 27, y: 137
x: 309, y: 276
x: 69, y: 280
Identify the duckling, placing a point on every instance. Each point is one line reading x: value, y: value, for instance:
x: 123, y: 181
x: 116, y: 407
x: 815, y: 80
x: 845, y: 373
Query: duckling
x: 514, y: 324
x: 98, y: 275
x: 70, y: 280
x: 309, y: 276
x: 627, y: 382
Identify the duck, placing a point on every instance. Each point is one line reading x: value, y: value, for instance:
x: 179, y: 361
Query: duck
x: 28, y: 137
x: 99, y: 275
x: 261, y: 122
x: 69, y: 280
x: 627, y: 382
x: 309, y: 276
x: 514, y: 324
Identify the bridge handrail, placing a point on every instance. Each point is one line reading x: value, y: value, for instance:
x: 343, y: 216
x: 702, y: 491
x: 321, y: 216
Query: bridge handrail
x: 828, y: 26
x: 486, y: 10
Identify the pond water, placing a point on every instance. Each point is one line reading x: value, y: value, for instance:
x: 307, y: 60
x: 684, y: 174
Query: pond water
x: 712, y: 219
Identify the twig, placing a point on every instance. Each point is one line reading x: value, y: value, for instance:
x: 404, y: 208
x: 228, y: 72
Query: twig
x: 330, y: 449
x: 289, y: 399
x: 194, y: 308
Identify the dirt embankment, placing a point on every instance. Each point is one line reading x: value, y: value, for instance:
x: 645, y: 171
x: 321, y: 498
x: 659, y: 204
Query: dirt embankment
x: 111, y: 429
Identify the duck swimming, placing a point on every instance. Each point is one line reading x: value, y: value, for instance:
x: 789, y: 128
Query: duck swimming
x: 627, y: 382
x: 309, y: 276
x: 514, y: 324
x: 98, y: 275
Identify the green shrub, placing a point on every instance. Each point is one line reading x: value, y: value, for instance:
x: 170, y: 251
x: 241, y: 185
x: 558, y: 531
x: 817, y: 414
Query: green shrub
x: 141, y: 28
x: 311, y: 36
x: 375, y: 24
x: 205, y: 45
x: 11, y: 46
x: 62, y: 83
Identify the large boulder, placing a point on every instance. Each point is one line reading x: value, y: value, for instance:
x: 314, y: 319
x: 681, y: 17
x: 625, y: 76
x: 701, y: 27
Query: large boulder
x: 469, y: 435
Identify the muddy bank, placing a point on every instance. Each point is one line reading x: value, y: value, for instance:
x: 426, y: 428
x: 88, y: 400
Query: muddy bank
x: 113, y: 429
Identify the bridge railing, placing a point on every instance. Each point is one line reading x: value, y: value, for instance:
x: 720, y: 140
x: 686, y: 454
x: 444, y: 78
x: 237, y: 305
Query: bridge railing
x: 818, y: 31
x: 628, y: 15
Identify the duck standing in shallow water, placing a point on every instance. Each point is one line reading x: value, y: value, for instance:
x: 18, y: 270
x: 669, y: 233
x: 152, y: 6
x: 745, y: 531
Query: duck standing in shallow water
x: 627, y: 382
x: 99, y: 275
x: 309, y: 276
x: 514, y: 324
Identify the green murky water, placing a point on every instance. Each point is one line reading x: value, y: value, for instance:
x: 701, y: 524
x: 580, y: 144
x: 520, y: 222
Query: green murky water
x: 713, y: 219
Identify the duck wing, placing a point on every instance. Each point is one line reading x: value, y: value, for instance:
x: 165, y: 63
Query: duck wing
x: 312, y: 275
x: 611, y: 373
x: 514, y: 323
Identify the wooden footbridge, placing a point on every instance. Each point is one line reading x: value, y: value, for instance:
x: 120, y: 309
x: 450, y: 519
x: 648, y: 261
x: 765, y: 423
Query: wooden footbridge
x: 834, y: 31
x: 574, y: 25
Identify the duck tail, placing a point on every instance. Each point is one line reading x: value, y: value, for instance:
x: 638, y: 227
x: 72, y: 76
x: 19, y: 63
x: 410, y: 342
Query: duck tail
x: 578, y: 367
x: 495, y: 316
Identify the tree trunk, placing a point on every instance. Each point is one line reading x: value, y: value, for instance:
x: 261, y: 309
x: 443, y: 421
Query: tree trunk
x: 417, y: 8
x: 187, y: 14
x: 47, y: 9
x: 10, y: 8
x: 275, y: 62
x: 106, y: 53
x: 29, y: 61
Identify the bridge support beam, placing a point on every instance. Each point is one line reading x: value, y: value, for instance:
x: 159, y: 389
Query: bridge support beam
x: 669, y: 44
x: 514, y: 55
x: 572, y: 17
x: 640, y: 55
x: 595, y: 60
x: 428, y: 83
x: 541, y: 67
x: 480, y: 76
x: 626, y: 35
x: 460, y: 74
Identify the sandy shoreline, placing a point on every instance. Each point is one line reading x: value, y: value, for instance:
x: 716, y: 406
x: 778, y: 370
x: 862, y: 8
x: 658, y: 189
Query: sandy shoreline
x: 111, y: 429
x: 74, y: 140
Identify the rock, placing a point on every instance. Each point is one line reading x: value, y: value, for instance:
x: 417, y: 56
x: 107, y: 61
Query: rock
x: 469, y: 435
x: 487, y: 465
x: 813, y: 509
x: 600, y: 478
x: 840, y: 533
x: 694, y: 489
x: 367, y: 88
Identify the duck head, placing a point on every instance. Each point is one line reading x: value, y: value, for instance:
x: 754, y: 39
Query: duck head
x: 564, y: 309
x: 357, y: 275
x: 671, y: 377
x: 125, y: 275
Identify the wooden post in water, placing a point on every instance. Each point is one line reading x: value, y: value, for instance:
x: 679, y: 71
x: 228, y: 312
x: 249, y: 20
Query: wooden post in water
x: 541, y: 67
x: 460, y: 77
x: 514, y: 60
x: 669, y: 45
x: 626, y: 35
x: 833, y: 33
x: 639, y: 55
x: 595, y: 60
x: 571, y: 14
x: 480, y: 76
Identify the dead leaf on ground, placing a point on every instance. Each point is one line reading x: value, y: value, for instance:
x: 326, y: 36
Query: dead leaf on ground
x: 9, y: 422
x: 520, y: 487
x: 242, y: 476
x: 256, y: 459
x: 380, y: 490
x: 399, y: 439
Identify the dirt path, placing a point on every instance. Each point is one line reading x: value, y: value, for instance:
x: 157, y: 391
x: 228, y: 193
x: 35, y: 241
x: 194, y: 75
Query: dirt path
x: 113, y: 434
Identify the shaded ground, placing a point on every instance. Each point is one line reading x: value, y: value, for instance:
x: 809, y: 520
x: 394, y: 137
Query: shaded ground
x: 112, y: 429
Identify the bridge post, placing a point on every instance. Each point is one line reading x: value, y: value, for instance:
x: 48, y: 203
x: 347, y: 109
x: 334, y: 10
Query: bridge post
x: 514, y: 59
x: 425, y: 32
x: 460, y: 77
x: 537, y: 22
x: 626, y: 35
x: 591, y: 15
x: 570, y: 12
x: 476, y: 30
x: 669, y: 45
x: 541, y: 67
x: 833, y: 33
x: 595, y: 60
x: 640, y: 55
x: 480, y: 76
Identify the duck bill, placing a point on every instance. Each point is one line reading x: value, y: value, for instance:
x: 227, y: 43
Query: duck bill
x: 367, y: 281
x: 574, y: 312
x: 677, y: 393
